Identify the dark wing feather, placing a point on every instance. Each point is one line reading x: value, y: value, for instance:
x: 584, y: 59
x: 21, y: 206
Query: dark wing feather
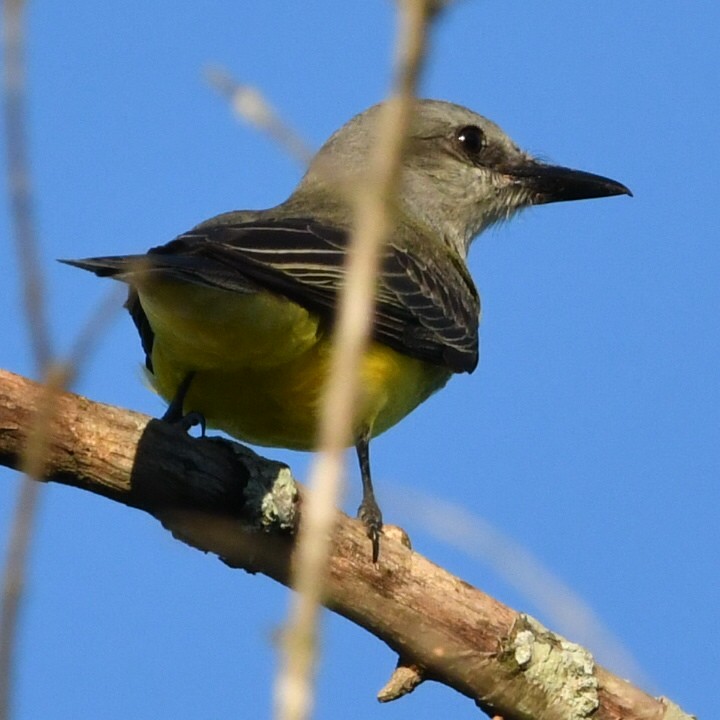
x: 444, y: 302
x: 147, y: 336
x: 426, y: 303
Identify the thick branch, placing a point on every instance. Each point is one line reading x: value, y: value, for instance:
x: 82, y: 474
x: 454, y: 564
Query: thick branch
x: 214, y: 495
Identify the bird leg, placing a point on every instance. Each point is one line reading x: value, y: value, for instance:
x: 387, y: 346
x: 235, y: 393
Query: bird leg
x: 369, y: 511
x: 174, y: 414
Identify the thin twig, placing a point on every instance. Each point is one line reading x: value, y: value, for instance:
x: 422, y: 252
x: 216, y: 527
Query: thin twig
x: 89, y: 335
x: 56, y: 375
x: 372, y: 223
x: 557, y: 602
x: 21, y: 208
x: 19, y: 182
x: 250, y: 105
x: 12, y: 586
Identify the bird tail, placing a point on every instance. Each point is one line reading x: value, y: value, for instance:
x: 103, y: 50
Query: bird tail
x: 120, y: 267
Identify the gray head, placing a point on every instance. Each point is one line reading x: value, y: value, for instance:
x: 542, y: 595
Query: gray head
x: 461, y: 172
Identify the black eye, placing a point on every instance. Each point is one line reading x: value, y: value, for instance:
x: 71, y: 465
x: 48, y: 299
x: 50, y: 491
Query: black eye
x: 471, y: 139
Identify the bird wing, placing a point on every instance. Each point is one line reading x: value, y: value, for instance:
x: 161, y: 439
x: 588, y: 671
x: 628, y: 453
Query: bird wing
x: 426, y: 304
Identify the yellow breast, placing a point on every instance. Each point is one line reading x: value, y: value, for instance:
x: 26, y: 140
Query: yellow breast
x: 260, y: 364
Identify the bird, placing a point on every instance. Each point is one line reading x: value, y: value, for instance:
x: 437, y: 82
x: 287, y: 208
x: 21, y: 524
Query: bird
x: 235, y: 316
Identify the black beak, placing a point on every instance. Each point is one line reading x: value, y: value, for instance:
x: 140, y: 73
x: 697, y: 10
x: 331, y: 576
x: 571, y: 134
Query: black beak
x: 552, y: 183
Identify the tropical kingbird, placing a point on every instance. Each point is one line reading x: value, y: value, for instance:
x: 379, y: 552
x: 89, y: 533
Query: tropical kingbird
x: 235, y: 316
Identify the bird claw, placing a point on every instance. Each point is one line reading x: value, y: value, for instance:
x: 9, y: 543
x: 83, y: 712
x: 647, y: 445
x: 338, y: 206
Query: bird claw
x: 187, y: 421
x: 192, y: 419
x: 371, y: 517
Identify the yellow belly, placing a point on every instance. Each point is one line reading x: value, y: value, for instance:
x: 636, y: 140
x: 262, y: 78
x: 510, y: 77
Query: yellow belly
x: 260, y: 364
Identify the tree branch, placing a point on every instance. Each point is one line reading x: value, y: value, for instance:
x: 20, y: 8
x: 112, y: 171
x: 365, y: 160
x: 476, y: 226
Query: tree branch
x: 222, y: 498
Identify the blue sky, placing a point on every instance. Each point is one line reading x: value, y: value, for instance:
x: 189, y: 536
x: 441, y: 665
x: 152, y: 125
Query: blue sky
x: 588, y: 434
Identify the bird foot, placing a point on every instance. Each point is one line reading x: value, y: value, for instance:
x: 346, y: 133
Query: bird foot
x: 371, y: 517
x: 187, y: 421
x: 192, y: 419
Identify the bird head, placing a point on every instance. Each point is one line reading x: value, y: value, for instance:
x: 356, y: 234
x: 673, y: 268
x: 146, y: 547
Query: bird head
x: 461, y: 173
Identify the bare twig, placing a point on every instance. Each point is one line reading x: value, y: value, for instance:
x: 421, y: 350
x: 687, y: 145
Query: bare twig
x: 19, y: 183
x: 454, y: 633
x: 405, y: 678
x: 250, y: 105
x: 56, y: 375
x: 13, y: 580
x: 372, y: 223
x: 21, y: 207
x: 479, y: 539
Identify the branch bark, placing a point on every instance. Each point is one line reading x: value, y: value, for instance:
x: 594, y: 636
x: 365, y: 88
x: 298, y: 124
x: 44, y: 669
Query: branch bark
x: 222, y: 498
